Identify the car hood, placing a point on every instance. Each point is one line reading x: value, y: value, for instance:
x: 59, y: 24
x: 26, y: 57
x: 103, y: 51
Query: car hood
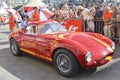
x: 89, y: 42
x: 84, y: 38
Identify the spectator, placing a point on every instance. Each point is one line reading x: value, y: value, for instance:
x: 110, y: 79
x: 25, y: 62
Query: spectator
x: 71, y: 5
x: 35, y: 15
x: 107, y: 18
x: 79, y: 15
x: 90, y: 22
x: 64, y: 13
x: 85, y: 14
x: 66, y: 6
x: 24, y: 21
x: 11, y: 22
x: 26, y: 14
x: 98, y: 20
x: 55, y: 17
x: 71, y: 14
x: 114, y: 21
x: 50, y: 7
x: 118, y: 24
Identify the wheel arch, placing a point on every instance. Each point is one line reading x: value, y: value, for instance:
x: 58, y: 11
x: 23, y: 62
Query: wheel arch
x: 18, y: 52
x: 64, y: 49
x: 11, y: 39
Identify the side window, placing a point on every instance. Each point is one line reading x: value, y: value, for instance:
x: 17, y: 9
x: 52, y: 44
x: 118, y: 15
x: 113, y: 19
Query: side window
x: 31, y: 29
x: 45, y: 29
x: 40, y: 29
x: 27, y: 30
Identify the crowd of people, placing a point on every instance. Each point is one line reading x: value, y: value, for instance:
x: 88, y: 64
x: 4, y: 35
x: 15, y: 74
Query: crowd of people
x: 99, y: 18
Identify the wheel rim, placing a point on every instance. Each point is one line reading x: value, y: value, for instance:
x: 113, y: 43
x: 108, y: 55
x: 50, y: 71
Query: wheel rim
x: 64, y: 63
x: 14, y: 47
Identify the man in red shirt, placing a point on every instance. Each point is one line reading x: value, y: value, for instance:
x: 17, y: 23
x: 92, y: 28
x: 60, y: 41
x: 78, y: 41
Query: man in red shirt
x: 11, y: 22
x: 35, y: 15
x: 107, y: 22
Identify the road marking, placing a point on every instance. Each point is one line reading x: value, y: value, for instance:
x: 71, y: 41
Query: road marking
x: 5, y: 75
x: 4, y: 41
x: 4, y: 46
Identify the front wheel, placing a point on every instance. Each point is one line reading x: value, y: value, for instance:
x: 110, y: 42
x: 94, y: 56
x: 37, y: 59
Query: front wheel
x: 14, y: 48
x: 65, y: 63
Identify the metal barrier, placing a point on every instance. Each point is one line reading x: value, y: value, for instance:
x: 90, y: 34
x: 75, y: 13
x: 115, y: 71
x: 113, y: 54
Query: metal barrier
x: 111, y: 30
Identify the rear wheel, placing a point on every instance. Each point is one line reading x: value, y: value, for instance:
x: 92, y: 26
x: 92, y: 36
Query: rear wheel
x: 14, y: 48
x: 65, y: 63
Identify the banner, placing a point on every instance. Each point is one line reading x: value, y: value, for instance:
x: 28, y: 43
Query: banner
x: 73, y: 25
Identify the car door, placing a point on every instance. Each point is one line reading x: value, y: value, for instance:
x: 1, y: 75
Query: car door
x: 43, y: 42
x: 28, y: 39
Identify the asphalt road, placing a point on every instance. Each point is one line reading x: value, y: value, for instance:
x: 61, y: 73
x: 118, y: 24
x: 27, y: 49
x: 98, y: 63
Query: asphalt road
x: 29, y: 68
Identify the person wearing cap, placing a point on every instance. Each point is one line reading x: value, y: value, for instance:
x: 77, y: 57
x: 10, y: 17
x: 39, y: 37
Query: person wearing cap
x: 35, y: 15
x: 84, y: 13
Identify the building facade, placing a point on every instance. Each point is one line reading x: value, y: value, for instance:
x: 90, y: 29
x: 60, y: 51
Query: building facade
x: 14, y: 3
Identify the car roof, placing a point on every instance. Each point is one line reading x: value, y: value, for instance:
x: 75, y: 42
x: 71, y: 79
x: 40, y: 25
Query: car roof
x: 39, y: 22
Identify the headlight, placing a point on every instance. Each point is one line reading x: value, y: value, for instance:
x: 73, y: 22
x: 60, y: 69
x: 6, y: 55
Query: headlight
x: 113, y: 45
x: 110, y: 49
x: 88, y: 56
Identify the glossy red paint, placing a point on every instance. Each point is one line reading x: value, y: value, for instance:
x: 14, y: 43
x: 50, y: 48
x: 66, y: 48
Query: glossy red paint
x: 79, y: 43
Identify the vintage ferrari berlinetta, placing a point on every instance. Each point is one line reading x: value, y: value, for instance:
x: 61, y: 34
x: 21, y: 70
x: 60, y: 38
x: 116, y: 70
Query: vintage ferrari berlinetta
x: 67, y: 50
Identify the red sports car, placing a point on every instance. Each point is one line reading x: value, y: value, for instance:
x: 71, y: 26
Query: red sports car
x: 68, y: 51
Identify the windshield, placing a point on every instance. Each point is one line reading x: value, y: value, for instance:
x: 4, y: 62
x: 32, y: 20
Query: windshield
x: 51, y: 27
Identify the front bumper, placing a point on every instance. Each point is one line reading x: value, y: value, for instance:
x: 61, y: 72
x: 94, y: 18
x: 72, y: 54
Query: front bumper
x: 99, y: 62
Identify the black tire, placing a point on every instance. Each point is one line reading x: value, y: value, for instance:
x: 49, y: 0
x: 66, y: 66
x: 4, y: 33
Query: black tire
x: 65, y: 63
x: 14, y: 48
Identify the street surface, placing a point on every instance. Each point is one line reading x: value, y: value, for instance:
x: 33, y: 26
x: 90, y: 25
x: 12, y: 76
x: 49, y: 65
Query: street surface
x: 29, y: 68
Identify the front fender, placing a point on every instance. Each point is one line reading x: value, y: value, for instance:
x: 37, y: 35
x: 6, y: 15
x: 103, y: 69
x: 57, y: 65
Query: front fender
x: 79, y: 54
